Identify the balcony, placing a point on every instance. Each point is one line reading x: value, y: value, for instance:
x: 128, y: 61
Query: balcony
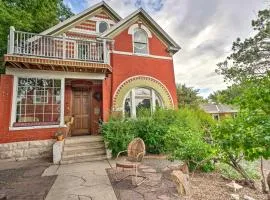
x: 44, y: 52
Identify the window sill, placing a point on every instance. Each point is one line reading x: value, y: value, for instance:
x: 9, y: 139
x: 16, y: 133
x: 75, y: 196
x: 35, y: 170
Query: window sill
x: 14, y: 128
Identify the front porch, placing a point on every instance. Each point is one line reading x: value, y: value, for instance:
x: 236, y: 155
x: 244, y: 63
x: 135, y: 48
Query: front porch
x: 43, y: 99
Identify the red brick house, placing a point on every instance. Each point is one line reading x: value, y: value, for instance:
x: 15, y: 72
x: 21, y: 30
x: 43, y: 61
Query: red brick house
x: 88, y: 66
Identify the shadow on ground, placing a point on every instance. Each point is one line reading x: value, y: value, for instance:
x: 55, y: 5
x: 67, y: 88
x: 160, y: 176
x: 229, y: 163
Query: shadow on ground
x: 22, y: 180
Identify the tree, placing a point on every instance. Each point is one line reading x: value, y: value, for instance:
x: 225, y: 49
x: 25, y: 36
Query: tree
x: 250, y: 58
x: 226, y: 96
x: 188, y: 96
x: 29, y: 15
x: 248, y: 135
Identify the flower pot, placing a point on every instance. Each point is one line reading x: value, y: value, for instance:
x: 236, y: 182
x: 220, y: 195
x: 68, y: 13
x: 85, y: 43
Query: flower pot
x: 59, y: 137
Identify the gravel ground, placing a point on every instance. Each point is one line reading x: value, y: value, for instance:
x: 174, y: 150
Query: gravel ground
x: 22, y: 180
x: 204, y: 186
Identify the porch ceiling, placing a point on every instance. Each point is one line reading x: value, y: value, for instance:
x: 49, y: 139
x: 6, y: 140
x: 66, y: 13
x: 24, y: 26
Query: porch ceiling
x: 28, y: 62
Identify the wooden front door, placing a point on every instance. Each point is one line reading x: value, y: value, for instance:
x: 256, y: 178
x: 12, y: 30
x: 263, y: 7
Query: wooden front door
x: 81, y: 111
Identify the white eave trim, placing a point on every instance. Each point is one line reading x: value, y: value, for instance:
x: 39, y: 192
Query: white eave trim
x: 141, y: 55
x: 54, y: 74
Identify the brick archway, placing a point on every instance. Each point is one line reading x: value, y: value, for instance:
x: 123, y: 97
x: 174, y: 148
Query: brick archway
x: 141, y: 81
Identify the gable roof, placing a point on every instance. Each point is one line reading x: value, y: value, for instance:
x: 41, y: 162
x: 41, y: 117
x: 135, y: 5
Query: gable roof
x: 218, y: 108
x: 83, y: 14
x: 141, y: 12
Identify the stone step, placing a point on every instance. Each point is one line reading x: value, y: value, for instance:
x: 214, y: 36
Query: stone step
x: 84, y: 146
x: 83, y: 159
x: 83, y: 139
x: 84, y: 151
x: 78, y: 154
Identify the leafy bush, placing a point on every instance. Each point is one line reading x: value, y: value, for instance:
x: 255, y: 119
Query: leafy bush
x: 180, y: 133
x: 118, y: 134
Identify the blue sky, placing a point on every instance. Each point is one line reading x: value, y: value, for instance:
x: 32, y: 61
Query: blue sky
x: 205, y: 29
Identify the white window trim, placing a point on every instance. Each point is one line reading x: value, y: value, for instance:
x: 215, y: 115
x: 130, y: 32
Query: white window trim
x: 147, y: 44
x: 35, y: 96
x: 97, y: 25
x: 14, y: 104
x: 132, y: 101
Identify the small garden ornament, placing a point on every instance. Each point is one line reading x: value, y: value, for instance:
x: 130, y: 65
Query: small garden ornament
x: 59, y: 135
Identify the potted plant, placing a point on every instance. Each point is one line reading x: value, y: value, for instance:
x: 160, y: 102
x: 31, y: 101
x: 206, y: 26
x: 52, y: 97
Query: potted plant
x: 59, y: 135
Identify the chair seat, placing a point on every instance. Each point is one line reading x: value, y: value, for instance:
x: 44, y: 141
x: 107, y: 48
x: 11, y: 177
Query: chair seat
x: 127, y: 164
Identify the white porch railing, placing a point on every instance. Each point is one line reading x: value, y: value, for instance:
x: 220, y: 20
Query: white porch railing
x: 31, y: 44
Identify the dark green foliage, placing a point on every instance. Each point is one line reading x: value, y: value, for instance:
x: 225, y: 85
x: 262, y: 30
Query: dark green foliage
x: 118, y: 134
x: 29, y: 15
x: 188, y: 96
x: 250, y: 58
x: 182, y: 134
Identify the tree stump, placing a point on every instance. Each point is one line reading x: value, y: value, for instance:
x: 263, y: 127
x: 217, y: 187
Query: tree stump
x: 182, y: 182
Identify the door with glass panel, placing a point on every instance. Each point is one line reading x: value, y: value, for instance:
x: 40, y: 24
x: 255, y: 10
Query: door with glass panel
x: 81, y: 111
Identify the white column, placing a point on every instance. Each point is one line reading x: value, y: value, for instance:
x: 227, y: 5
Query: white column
x: 14, y: 101
x: 64, y: 46
x: 133, y: 106
x: 153, y: 101
x: 62, y: 113
x: 11, y: 39
x: 104, y: 51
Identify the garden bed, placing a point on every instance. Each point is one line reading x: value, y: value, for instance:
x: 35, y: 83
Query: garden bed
x: 209, y: 186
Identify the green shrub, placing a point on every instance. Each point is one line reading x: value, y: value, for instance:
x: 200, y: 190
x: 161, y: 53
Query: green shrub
x: 183, y: 143
x: 118, y: 134
x: 180, y: 133
x: 251, y: 168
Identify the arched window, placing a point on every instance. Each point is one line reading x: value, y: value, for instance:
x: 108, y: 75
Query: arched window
x: 140, y: 41
x: 141, y: 101
x: 102, y: 26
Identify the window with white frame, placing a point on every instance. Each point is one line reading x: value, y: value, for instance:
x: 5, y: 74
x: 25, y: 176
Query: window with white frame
x: 141, y: 102
x: 140, y: 41
x: 38, y: 100
x: 102, y: 26
x: 41, y: 96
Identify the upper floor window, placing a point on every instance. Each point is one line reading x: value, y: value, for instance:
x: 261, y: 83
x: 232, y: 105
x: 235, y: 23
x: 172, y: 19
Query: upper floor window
x: 102, y: 26
x: 140, y: 41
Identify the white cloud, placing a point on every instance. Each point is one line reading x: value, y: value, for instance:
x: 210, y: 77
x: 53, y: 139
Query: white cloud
x: 205, y: 29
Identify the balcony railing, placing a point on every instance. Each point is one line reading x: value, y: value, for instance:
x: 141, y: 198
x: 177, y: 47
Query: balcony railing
x: 30, y: 44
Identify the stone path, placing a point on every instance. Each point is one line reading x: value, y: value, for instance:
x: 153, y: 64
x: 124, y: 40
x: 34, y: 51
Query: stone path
x: 80, y: 181
x: 156, y: 187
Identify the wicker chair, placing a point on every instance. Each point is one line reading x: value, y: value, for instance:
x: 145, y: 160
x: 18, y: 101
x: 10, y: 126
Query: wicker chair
x: 135, y: 154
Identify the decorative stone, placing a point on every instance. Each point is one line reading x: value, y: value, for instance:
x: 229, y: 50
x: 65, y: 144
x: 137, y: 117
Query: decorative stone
x: 246, y: 197
x: 57, y: 151
x: 235, y: 197
x: 234, y: 186
x: 182, y: 182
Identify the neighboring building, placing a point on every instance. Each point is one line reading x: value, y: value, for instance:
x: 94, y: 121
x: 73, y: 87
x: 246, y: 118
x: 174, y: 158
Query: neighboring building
x: 219, y: 111
x: 88, y: 66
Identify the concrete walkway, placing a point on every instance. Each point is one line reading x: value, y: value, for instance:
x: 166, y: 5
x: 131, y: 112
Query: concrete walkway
x: 80, y: 181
